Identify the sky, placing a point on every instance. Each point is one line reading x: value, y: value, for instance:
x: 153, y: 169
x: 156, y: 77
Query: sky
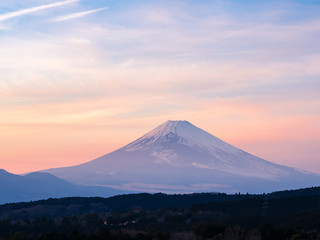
x: 81, y: 78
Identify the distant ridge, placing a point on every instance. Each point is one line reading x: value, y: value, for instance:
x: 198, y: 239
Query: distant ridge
x: 178, y: 157
x: 37, y: 186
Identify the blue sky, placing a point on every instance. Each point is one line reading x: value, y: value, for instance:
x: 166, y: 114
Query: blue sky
x: 246, y: 71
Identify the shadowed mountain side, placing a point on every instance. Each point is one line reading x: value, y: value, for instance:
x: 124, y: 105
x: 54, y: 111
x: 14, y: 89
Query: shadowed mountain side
x: 36, y: 186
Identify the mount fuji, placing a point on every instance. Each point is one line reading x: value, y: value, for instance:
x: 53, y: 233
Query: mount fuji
x: 178, y: 157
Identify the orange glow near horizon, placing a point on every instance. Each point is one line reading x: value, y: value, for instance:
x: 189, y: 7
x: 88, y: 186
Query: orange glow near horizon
x: 29, y: 145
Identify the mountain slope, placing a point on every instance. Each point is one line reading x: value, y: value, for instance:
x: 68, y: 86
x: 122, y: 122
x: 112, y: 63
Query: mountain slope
x: 36, y: 186
x: 179, y: 157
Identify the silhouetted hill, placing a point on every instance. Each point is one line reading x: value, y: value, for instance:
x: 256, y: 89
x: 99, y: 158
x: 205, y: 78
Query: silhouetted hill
x: 282, y: 215
x: 146, y: 201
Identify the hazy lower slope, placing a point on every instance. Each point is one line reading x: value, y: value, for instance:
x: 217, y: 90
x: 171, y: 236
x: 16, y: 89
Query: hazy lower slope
x: 36, y: 186
x: 179, y: 157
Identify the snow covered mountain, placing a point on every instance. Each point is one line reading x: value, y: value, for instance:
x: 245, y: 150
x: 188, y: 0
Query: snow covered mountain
x: 179, y: 157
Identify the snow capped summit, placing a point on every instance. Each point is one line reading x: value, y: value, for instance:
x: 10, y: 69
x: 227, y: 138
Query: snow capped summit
x: 180, y: 157
x: 181, y: 132
x: 174, y: 127
x: 180, y: 128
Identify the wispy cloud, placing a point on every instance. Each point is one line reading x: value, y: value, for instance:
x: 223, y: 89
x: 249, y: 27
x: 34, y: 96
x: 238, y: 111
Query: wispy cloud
x: 77, y: 15
x: 21, y: 12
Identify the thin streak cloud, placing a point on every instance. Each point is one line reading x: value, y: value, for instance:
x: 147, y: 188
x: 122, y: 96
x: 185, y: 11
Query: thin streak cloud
x: 77, y: 15
x: 21, y: 12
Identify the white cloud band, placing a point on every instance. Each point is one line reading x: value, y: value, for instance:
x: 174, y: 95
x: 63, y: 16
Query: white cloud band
x: 77, y: 15
x: 34, y: 9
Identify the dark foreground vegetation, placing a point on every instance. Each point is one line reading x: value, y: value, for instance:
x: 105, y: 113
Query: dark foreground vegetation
x: 280, y: 215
